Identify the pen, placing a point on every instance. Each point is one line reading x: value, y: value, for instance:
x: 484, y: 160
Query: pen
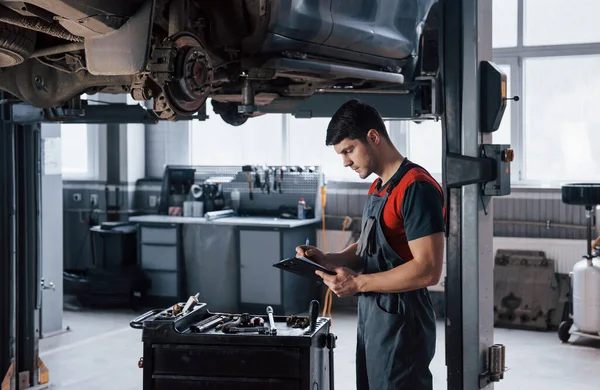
x: 307, y: 241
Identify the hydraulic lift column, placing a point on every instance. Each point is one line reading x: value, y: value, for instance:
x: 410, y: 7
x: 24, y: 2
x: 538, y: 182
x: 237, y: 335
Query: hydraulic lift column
x: 7, y: 248
x: 19, y: 252
x: 27, y: 201
x: 467, y: 36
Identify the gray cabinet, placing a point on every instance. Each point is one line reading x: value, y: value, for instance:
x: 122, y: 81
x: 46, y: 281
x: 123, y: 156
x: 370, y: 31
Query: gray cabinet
x: 261, y: 284
x: 211, y: 265
x: 160, y: 259
x: 229, y: 266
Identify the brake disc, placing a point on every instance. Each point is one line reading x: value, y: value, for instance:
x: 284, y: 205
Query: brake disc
x: 188, y: 88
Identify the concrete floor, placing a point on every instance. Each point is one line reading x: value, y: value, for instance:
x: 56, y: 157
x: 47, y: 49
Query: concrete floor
x: 100, y: 351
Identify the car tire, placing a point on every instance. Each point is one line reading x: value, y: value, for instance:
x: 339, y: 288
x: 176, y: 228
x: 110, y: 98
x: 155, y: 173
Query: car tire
x: 16, y: 44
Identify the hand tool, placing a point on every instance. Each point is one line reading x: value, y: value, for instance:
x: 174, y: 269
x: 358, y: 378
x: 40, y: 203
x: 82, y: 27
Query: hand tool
x: 241, y: 321
x: 283, y: 169
x: 257, y: 182
x: 313, y: 315
x: 257, y: 321
x: 192, y: 300
x: 272, y: 328
x: 275, y: 179
x: 176, y: 309
x: 297, y: 322
x: 208, y: 323
x: 228, y: 321
x: 268, y: 180
x: 252, y: 329
x: 248, y: 170
x: 272, y: 178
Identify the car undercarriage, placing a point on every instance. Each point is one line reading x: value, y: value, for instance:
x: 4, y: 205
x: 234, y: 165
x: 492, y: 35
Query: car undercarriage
x: 242, y: 54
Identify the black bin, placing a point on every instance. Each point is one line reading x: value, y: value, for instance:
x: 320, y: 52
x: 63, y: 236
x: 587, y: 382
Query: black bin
x: 114, y: 245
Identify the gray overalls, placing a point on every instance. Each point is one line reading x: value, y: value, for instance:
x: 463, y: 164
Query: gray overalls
x: 396, y: 332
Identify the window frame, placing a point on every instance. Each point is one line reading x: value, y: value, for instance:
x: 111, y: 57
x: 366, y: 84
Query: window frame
x: 515, y: 57
x: 191, y: 138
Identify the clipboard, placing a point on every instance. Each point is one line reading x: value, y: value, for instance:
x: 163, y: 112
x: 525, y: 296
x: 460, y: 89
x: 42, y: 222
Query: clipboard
x: 303, y: 266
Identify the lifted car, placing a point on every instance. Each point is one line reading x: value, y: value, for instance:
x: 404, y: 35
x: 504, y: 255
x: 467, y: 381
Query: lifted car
x: 243, y: 54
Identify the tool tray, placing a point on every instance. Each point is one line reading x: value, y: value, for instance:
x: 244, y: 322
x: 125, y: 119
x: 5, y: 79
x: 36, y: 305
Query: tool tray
x: 176, y: 358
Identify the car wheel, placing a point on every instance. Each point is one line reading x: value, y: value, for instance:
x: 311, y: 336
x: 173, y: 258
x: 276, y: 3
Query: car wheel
x: 229, y: 113
x: 16, y: 44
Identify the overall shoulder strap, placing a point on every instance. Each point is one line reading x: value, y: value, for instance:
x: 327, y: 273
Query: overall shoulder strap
x: 400, y: 174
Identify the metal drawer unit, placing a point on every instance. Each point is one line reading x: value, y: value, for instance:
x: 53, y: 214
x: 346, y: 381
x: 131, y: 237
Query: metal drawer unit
x: 161, y: 260
x: 175, y: 358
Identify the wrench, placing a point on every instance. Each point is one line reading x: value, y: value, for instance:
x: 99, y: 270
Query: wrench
x: 208, y: 323
x: 253, y: 329
x: 272, y: 328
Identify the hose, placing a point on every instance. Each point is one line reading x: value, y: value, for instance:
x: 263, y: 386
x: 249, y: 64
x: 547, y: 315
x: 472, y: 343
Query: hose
x: 329, y: 294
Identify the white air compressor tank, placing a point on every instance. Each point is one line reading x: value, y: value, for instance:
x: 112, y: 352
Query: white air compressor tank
x: 584, y: 319
x: 586, y: 296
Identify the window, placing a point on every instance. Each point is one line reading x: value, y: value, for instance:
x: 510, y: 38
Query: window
x: 561, y: 126
x: 556, y: 22
x: 425, y: 146
x: 258, y: 141
x: 504, y: 23
x: 502, y: 135
x: 79, y: 143
x: 307, y: 147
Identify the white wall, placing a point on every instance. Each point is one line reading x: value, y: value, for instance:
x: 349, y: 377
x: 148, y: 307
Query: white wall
x: 51, y: 229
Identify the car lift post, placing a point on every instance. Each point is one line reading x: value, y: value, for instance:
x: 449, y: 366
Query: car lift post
x: 20, y: 257
x: 467, y: 42
x: 20, y: 237
x: 7, y: 257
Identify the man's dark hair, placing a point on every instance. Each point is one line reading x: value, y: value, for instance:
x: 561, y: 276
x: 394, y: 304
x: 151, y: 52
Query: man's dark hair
x: 353, y: 120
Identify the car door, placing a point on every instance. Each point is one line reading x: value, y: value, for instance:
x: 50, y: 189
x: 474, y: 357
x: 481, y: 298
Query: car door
x: 302, y: 20
x: 383, y: 28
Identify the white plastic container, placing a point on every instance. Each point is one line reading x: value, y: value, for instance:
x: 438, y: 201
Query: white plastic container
x: 188, y: 208
x: 586, y: 296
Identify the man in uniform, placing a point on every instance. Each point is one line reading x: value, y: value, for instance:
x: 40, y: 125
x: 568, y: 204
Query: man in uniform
x: 399, y: 254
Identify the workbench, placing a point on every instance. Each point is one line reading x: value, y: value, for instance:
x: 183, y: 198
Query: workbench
x: 228, y: 261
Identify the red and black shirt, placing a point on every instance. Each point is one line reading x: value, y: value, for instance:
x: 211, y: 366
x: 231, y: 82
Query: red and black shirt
x: 415, y: 208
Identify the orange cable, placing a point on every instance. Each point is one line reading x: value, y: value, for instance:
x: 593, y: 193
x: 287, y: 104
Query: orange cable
x: 328, y: 295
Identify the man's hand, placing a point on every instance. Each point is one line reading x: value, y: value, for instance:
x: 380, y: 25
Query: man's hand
x: 344, y: 284
x: 310, y: 252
